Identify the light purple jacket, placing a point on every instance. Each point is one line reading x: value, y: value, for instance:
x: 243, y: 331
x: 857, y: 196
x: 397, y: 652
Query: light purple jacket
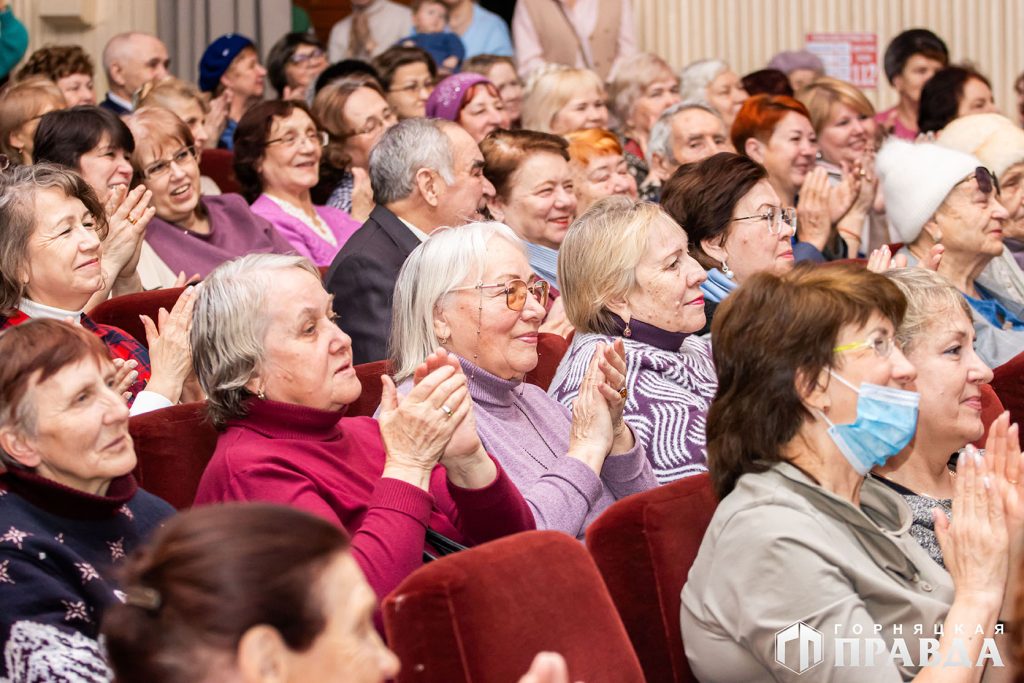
x: 306, y: 242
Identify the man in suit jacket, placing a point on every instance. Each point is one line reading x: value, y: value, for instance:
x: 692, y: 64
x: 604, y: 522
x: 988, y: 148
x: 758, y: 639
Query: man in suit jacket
x: 131, y: 60
x: 426, y: 174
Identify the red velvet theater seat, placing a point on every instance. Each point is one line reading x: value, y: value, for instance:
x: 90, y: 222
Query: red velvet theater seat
x: 173, y: 446
x: 481, y: 615
x: 219, y: 165
x: 644, y: 546
x: 124, y: 311
x: 991, y: 408
x: 369, y: 375
x: 550, y: 349
x: 1008, y: 383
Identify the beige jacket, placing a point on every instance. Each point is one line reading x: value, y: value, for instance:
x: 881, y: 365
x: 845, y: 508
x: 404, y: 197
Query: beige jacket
x: 780, y: 550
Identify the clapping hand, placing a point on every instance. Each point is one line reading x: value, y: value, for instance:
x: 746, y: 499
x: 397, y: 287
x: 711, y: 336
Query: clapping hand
x: 169, y: 349
x: 612, y: 363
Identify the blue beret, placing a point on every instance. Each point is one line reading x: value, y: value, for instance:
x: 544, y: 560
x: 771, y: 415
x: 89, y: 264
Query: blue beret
x: 218, y: 57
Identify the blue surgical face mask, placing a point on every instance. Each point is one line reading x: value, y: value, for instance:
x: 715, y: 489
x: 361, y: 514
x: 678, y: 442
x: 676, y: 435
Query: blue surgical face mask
x: 885, y: 424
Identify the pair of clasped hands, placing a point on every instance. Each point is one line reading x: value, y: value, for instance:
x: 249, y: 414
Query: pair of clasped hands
x: 434, y: 423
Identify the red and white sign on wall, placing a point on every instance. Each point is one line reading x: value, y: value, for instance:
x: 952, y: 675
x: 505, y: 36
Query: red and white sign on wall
x: 850, y: 57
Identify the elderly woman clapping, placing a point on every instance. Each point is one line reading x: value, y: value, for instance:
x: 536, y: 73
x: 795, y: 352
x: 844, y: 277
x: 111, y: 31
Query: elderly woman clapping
x: 278, y: 372
x: 937, y: 336
x: 70, y: 507
x: 939, y: 196
x: 811, y: 396
x: 472, y: 291
x: 51, y: 265
x: 626, y: 275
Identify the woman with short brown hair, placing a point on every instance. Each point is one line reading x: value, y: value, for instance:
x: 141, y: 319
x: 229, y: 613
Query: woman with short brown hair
x: 22, y: 106
x: 68, y: 66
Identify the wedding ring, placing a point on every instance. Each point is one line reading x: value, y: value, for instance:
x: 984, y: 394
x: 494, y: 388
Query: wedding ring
x: 623, y: 393
x: 1012, y: 481
x: 133, y: 221
x: 447, y: 411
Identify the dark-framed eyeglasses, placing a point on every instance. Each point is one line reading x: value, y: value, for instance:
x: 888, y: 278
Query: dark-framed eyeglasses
x: 516, y: 292
x: 987, y: 181
x: 157, y: 169
x: 318, y: 138
x: 776, y: 218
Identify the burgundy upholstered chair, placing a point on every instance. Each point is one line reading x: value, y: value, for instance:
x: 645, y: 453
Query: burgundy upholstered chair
x: 369, y: 375
x: 550, y: 349
x: 124, y: 311
x: 219, y: 164
x: 173, y: 446
x: 644, y: 546
x: 481, y: 615
x: 991, y: 408
x: 1008, y: 383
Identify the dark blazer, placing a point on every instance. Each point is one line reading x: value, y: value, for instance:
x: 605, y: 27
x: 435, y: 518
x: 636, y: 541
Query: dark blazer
x: 113, y: 106
x: 362, y: 279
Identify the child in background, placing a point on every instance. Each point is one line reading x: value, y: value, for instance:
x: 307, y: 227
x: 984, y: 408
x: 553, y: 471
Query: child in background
x: 430, y: 21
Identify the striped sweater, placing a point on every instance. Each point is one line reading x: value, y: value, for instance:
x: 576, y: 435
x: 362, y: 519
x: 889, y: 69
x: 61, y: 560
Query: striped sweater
x: 671, y: 381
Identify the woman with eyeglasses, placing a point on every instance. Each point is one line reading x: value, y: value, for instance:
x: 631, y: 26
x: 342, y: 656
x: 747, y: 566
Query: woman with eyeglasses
x: 627, y: 279
x: 191, y: 232
x: 278, y: 373
x: 812, y: 394
x: 354, y: 114
x: 293, y: 64
x: 938, y: 197
x: 408, y: 75
x: 278, y: 146
x: 472, y: 292
x: 735, y: 221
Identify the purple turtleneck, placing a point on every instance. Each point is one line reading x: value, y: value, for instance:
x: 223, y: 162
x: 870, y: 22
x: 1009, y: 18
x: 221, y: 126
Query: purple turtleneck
x: 331, y: 466
x: 527, y: 431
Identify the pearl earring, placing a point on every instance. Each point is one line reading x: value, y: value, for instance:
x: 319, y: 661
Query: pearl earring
x: 727, y: 271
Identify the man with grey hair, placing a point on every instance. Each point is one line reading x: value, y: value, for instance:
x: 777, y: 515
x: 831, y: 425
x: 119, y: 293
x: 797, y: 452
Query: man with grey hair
x: 426, y: 174
x: 131, y: 60
x: 684, y: 133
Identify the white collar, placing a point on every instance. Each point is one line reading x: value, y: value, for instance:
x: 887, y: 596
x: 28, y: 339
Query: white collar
x: 420, y: 235
x: 37, y: 310
x: 117, y: 99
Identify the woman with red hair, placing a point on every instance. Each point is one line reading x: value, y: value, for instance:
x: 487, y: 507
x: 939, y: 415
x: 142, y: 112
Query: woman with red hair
x: 598, y: 167
x: 776, y: 132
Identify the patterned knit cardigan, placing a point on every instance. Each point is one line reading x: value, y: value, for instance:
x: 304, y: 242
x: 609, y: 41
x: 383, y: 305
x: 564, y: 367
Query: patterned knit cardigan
x: 671, y: 381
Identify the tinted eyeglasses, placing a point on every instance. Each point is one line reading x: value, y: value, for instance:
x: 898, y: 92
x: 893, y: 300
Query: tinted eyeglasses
x: 516, y: 291
x: 987, y: 181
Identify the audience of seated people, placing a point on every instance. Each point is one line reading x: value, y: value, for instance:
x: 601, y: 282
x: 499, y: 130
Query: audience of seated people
x: 569, y: 210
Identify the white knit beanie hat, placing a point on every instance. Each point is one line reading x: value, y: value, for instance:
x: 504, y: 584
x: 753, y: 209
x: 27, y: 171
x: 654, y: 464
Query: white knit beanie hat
x: 993, y: 138
x: 916, y: 179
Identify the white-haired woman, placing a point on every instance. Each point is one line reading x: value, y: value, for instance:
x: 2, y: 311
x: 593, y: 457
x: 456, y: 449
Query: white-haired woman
x: 713, y: 82
x: 627, y: 278
x: 472, y: 291
x: 278, y: 372
x: 641, y: 87
x: 937, y: 337
x: 560, y: 99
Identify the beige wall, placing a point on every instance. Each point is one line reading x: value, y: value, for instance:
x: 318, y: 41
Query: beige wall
x: 748, y: 32
x: 109, y: 17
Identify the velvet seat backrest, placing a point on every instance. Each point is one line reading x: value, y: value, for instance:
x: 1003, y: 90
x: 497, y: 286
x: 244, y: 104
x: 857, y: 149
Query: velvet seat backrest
x: 550, y: 349
x: 1008, y: 383
x: 173, y: 446
x: 124, y: 311
x: 480, y: 615
x: 644, y: 546
x: 219, y: 165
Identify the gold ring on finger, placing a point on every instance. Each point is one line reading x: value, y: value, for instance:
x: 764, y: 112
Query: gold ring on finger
x: 623, y: 393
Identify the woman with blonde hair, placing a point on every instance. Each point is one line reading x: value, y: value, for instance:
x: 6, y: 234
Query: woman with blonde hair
x: 598, y: 167
x: 627, y: 278
x: 848, y: 136
x: 21, y: 107
x: 561, y: 99
x: 641, y: 87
